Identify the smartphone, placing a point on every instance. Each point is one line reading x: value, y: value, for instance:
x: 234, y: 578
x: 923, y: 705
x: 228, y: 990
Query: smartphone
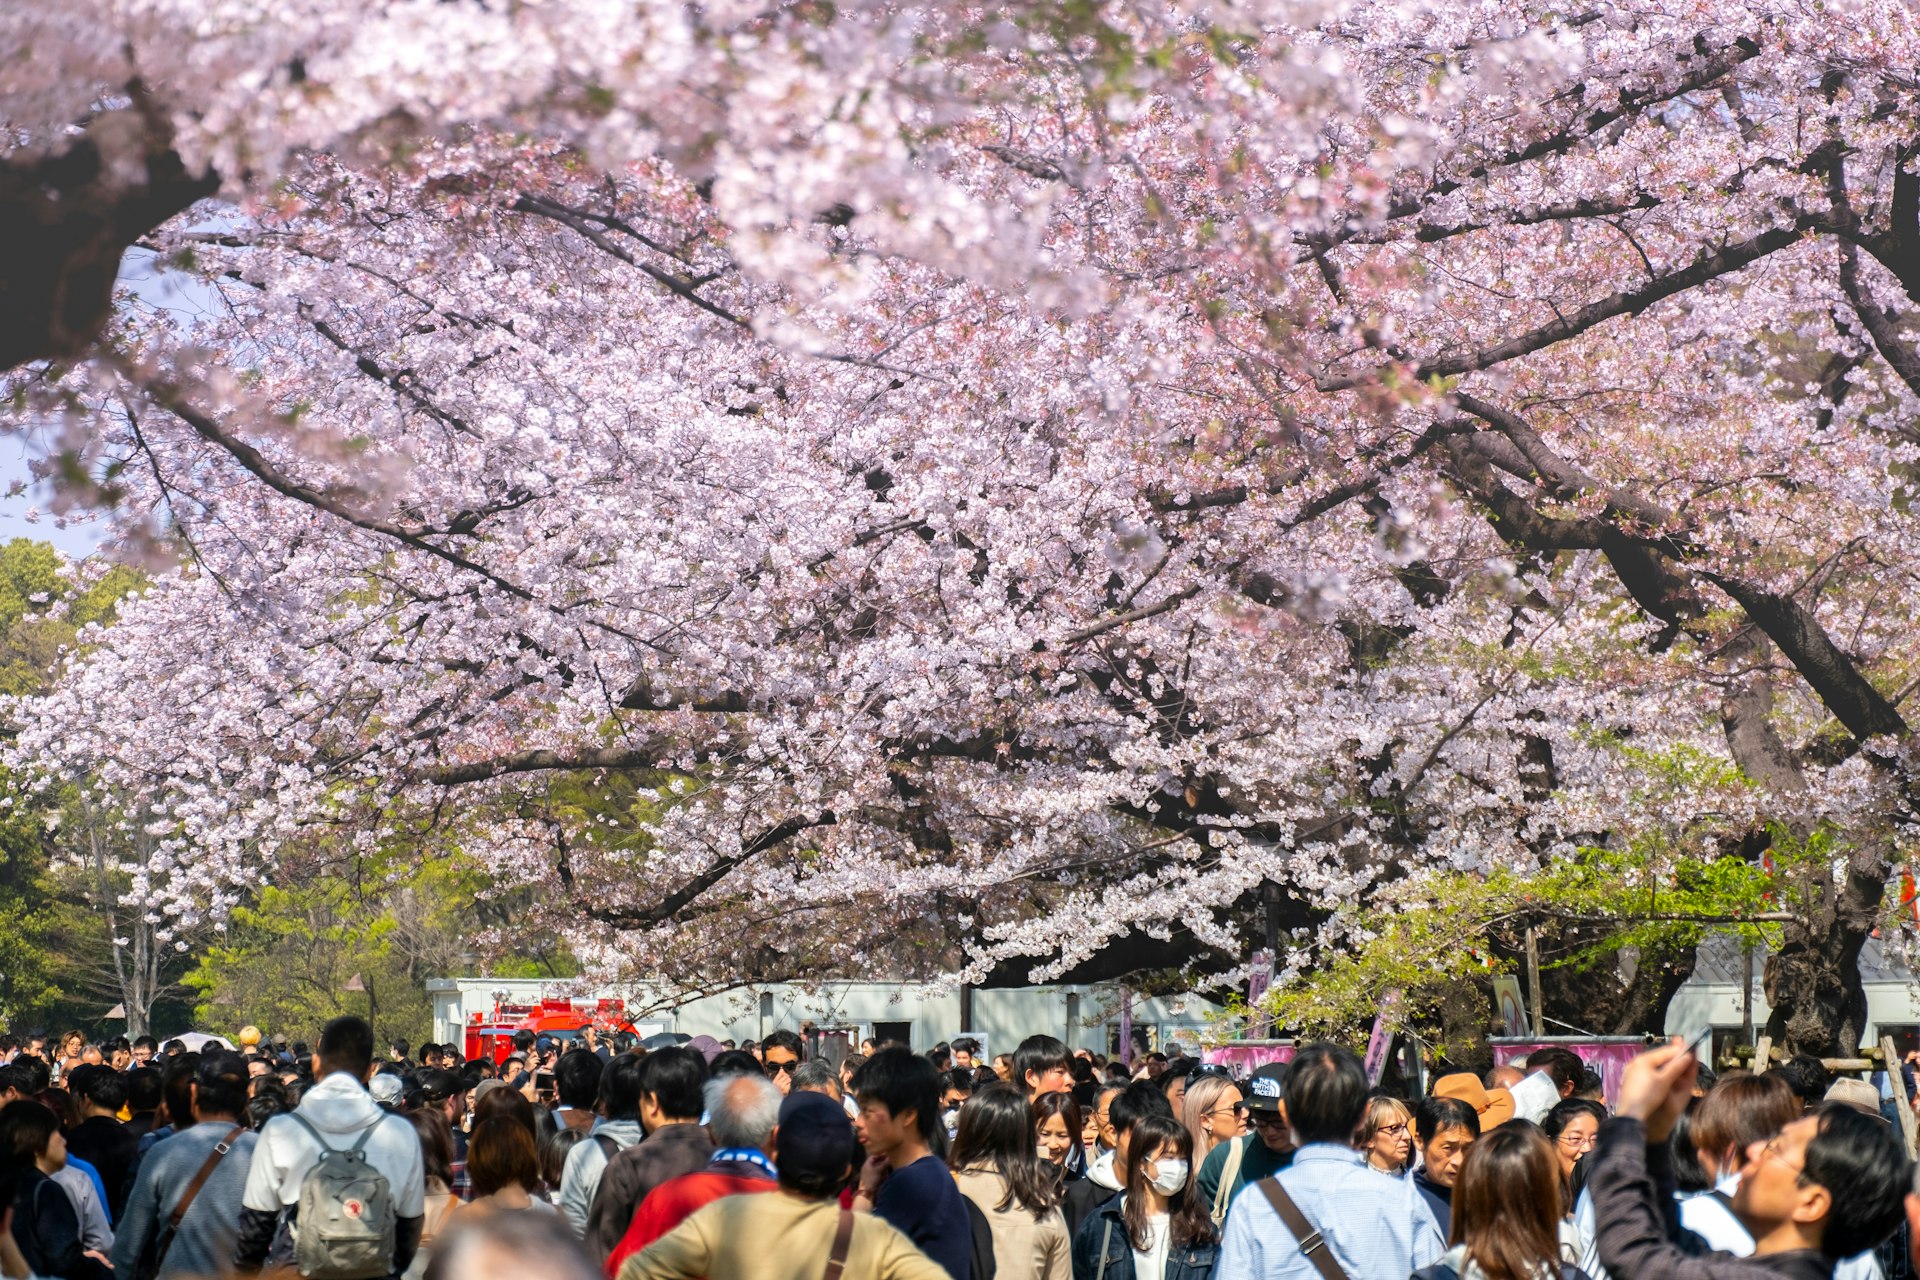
x: 1693, y: 1045
x: 543, y: 1080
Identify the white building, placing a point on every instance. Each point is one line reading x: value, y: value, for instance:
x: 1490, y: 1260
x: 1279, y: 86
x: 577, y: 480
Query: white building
x: 1713, y: 996
x: 1086, y: 1015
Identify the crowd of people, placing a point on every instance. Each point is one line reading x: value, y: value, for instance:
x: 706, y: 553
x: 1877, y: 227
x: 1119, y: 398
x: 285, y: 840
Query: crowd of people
x: 575, y: 1159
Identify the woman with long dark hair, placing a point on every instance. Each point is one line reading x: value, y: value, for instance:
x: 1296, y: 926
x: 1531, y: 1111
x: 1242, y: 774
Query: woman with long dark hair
x: 1507, y: 1205
x: 997, y: 1166
x: 1157, y: 1228
x: 1058, y: 1127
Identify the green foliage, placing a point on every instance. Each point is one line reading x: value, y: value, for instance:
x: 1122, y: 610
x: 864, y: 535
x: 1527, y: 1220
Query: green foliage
x: 48, y: 940
x: 1431, y: 935
x: 288, y: 959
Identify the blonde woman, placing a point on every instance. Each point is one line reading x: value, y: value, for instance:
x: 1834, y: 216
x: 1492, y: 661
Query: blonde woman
x: 1385, y: 1140
x: 1213, y: 1112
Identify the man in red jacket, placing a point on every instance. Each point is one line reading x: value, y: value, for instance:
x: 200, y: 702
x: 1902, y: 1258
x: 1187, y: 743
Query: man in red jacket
x: 743, y: 1114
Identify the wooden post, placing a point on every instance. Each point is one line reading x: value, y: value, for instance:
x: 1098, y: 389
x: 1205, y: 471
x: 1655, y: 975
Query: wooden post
x: 1762, y: 1054
x: 1533, y: 982
x: 1746, y: 993
x: 1901, y: 1103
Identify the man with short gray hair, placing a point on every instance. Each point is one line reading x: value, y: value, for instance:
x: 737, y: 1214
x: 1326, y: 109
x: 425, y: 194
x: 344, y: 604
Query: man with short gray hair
x: 743, y: 1115
x: 818, y: 1076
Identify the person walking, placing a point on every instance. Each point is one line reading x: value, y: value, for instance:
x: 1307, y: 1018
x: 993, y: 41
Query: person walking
x: 100, y: 1139
x: 1231, y: 1166
x: 1446, y: 1129
x: 45, y: 1225
x: 1159, y: 1228
x: 671, y: 1081
x: 1104, y: 1180
x: 1829, y: 1185
x: 744, y: 1118
x: 796, y: 1232
x: 1058, y: 1132
x: 504, y: 1164
x: 1370, y: 1226
x: 1507, y: 1206
x: 576, y: 1081
x: 997, y: 1167
x: 183, y: 1212
x: 904, y: 1181
x: 337, y: 1114
x: 616, y: 1130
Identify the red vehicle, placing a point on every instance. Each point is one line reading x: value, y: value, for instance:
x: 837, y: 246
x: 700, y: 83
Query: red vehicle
x: 490, y: 1036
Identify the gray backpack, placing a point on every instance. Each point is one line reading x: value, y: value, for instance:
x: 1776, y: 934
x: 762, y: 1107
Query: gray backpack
x: 345, y: 1226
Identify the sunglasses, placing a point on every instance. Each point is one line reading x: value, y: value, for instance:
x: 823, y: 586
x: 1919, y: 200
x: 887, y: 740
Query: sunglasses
x: 1213, y: 1069
x: 784, y: 1068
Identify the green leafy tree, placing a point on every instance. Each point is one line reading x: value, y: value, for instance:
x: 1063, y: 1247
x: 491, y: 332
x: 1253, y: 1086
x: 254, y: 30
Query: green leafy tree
x: 54, y: 940
x: 333, y: 944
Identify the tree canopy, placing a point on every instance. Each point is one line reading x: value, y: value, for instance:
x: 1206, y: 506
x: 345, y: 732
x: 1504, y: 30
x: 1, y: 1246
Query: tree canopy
x: 1000, y: 481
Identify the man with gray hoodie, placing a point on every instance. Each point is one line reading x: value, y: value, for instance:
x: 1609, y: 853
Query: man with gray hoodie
x: 339, y: 1111
x: 203, y: 1243
x: 618, y: 1129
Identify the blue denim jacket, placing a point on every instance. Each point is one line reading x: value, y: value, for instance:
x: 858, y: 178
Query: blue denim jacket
x: 1105, y: 1227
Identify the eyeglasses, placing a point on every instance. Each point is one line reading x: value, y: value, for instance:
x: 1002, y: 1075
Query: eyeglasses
x: 784, y: 1068
x: 1579, y: 1142
x: 1768, y: 1152
x: 1398, y: 1129
x: 1268, y: 1120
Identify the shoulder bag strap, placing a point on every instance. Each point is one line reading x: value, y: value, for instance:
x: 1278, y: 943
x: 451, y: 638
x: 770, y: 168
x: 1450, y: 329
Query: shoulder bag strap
x: 214, y: 1157
x: 1106, y: 1238
x: 842, y: 1238
x: 1230, y: 1169
x: 1313, y: 1246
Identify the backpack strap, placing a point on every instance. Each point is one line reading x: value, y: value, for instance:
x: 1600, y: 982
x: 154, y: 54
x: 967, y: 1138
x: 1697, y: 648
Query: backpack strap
x: 302, y: 1121
x: 1106, y: 1238
x: 359, y: 1144
x: 842, y: 1239
x: 1313, y: 1245
x: 214, y: 1157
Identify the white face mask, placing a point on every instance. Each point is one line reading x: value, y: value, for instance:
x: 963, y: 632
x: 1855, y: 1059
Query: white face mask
x: 1171, y: 1175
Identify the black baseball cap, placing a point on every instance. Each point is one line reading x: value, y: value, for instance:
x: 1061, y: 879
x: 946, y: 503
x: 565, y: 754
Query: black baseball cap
x: 1266, y: 1088
x: 815, y: 1136
x: 437, y: 1084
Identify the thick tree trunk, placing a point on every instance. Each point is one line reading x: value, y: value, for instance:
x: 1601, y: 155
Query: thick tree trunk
x: 1813, y: 980
x: 65, y: 222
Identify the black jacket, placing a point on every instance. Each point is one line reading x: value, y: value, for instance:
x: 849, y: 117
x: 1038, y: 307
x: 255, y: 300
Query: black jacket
x: 48, y: 1231
x: 108, y: 1146
x: 1638, y: 1223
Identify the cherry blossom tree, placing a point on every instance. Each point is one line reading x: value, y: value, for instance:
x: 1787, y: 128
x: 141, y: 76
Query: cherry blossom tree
x: 1006, y: 489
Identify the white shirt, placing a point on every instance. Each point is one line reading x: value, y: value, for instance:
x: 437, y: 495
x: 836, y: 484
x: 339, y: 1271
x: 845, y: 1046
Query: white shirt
x: 1152, y: 1264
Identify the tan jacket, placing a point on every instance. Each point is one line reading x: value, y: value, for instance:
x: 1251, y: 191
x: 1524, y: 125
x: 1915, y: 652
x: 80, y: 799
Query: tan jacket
x: 777, y: 1236
x: 1024, y: 1247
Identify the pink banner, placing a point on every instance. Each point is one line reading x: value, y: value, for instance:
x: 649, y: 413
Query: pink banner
x: 1608, y: 1055
x: 1377, y: 1042
x: 1244, y: 1057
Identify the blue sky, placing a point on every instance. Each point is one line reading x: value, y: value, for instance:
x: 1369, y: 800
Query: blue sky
x: 171, y: 291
